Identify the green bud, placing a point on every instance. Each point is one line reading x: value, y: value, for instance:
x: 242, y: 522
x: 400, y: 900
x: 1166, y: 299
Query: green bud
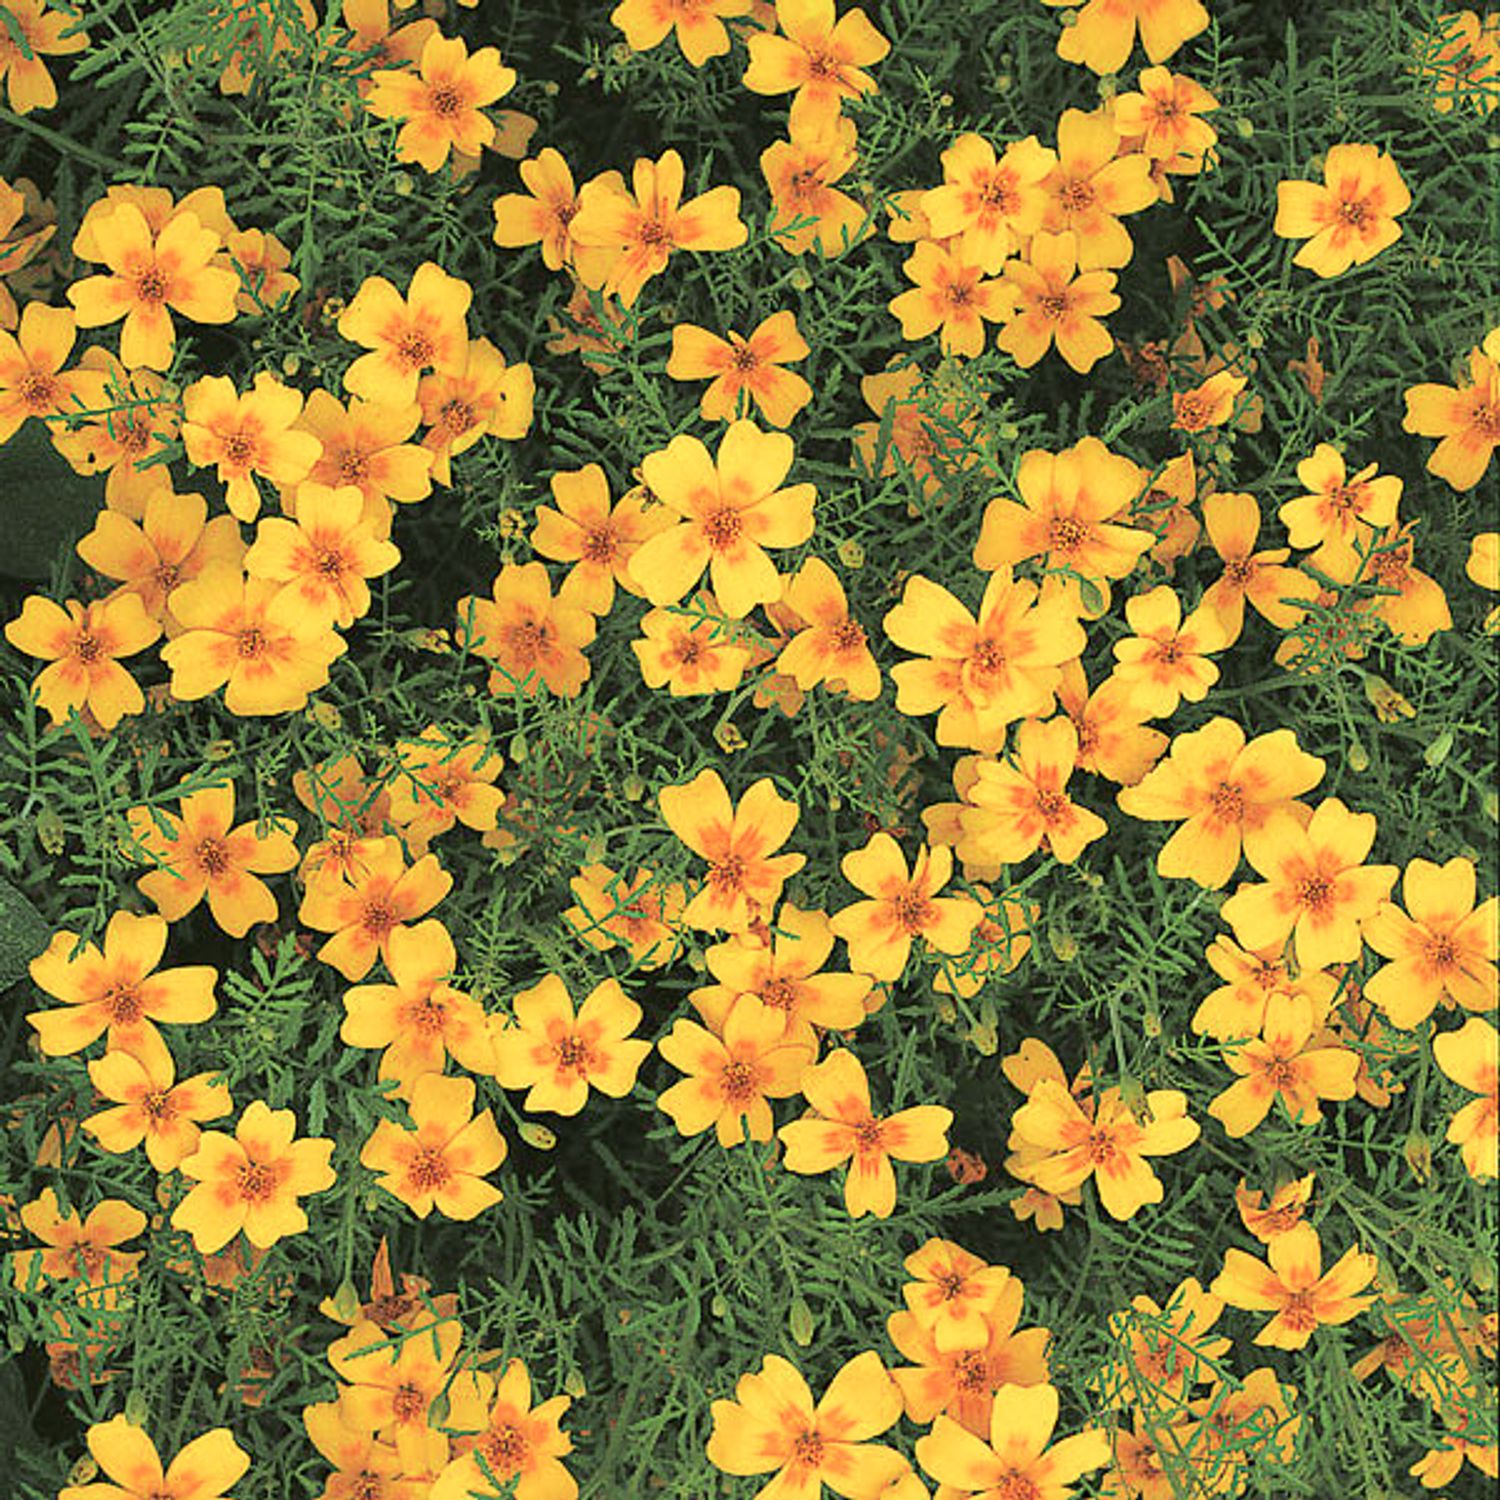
x: 800, y: 1321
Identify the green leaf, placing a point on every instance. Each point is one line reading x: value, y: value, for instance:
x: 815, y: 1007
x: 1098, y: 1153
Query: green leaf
x: 44, y: 505
x: 23, y: 933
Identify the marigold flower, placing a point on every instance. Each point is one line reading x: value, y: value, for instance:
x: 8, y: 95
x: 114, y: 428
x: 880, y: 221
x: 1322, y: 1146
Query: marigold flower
x: 1052, y: 304
x: 441, y: 104
x: 559, y: 1056
x: 1333, y: 516
x: 1294, y: 1286
x: 731, y: 1077
x: 24, y: 232
x: 773, y: 1424
x: 953, y: 1293
x: 992, y: 205
x: 748, y: 366
x: 1091, y: 186
x: 1350, y: 217
x: 1103, y: 32
x: 364, y: 910
x: 250, y: 637
x: 515, y: 1441
x: 151, y: 1107
x: 1111, y: 1147
x: 698, y: 24
x: 1461, y: 60
x: 1465, y: 416
x: 842, y: 1128
x: 1240, y: 1427
x: 1470, y: 1056
x: 633, y: 911
x: 643, y: 227
x: 1164, y: 506
x: 1114, y: 740
x: 1411, y: 604
x: 544, y: 213
x: 689, y: 652
x: 999, y: 943
x: 731, y: 508
x: 831, y: 647
x: 951, y: 298
x: 1222, y: 787
x: 78, y: 1249
x: 198, y: 854
x: 33, y: 382
x: 206, y: 1469
x: 1163, y: 116
x: 485, y: 397
x: 252, y: 1181
x: 1210, y: 404
x: 822, y: 59
x: 1316, y: 891
x: 81, y: 644
x: 533, y: 638
x: 808, y: 209
x: 1166, y: 660
x: 1283, y: 1212
x: 43, y: 33
x: 443, y: 780
x: 1232, y: 522
x: 358, y: 1457
x: 425, y: 330
x: 1163, y: 1354
x: 149, y: 273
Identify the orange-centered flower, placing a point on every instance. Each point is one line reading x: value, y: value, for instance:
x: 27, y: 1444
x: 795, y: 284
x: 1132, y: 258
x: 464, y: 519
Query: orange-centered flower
x: 150, y: 1106
x: 822, y: 59
x: 544, y: 213
x: 1470, y: 1056
x: 512, y: 1440
x: 744, y: 367
x: 1052, y: 304
x: 207, y: 1468
x: 1103, y: 32
x: 1166, y: 660
x: 950, y: 297
x: 992, y: 205
x: 1350, y: 217
x: 533, y: 638
x: 953, y: 1293
x: 832, y: 646
x: 33, y: 33
x: 366, y: 445
x: 1465, y: 416
x: 699, y: 25
x: 1091, y: 186
x: 33, y: 382
x: 425, y: 330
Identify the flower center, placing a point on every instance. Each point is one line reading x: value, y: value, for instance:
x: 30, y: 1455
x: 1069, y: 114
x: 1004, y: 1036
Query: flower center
x: 122, y: 1004
x: 808, y: 1450
x: 689, y: 649
x: 722, y: 528
x: 949, y: 1283
x: 1193, y: 412
x: 1298, y: 1312
x: 1050, y: 805
x: 166, y: 576
x: 847, y: 635
x: 457, y: 415
x: 428, y: 1016
x: 330, y: 564
x: 913, y: 911
x: 779, y: 994
x: 971, y: 1372
x: 1354, y: 212
x: 727, y: 874
x: 353, y: 466
x: 1238, y: 571
x: 1441, y: 952
x: 1100, y: 1146
x: 1077, y: 195
x: 1227, y: 802
x: 996, y: 195
x: 867, y: 1137
x: 378, y: 918
x: 822, y: 67
x: 1486, y: 418
x: 744, y: 358
x: 1280, y: 1073
x: 158, y: 1105
x: 960, y: 293
x: 87, y: 648
x: 252, y: 643
x: 1169, y: 651
x: 527, y: 640
x: 505, y: 1449
x: 38, y: 392
x: 1066, y: 535
x: 151, y: 285
x: 428, y: 1169
x: 1315, y: 892
x: 414, y: 349
x: 573, y: 1053
x: 212, y: 856
x: 1015, y: 1486
x: 408, y: 1404
x: 737, y: 1082
x: 255, y: 1181
x: 445, y: 101
x: 600, y: 545
x: 1053, y: 304
x: 238, y: 449
x: 654, y: 233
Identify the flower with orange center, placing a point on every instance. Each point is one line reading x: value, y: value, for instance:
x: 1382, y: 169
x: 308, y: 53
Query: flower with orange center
x: 1470, y: 1056
x: 84, y: 1250
x: 730, y: 508
x: 1163, y: 117
x: 206, y: 1469
x: 1019, y: 1461
x: 1111, y: 1146
x: 903, y: 906
x: 419, y: 1018
x: 425, y: 330
x: 323, y: 558
x: 1294, y: 1287
x: 364, y: 909
x: 841, y: 1128
x: 559, y: 1056
x: 1163, y: 1354
x: 1232, y: 521
x: 366, y: 444
x: 1348, y: 218
x: 1334, y: 515
x: 1460, y: 60
x: 1210, y: 404
x: 1091, y: 186
x: 533, y: 639
x: 1283, y: 1212
x: 543, y: 214
x: 173, y: 542
x: 745, y: 876
x: 822, y: 59
x: 151, y: 1107
x: 991, y: 205
x: 1316, y: 890
x: 24, y: 232
x: 442, y: 780
x: 643, y: 227
x: 949, y: 297
x: 485, y: 397
x: 33, y: 382
x: 1103, y: 32
x: 1013, y: 808
x: 363, y: 1465
x: 699, y: 25
x: 807, y: 209
x: 245, y: 434
x: 1444, y: 951
x: 251, y: 1180
x: 961, y: 1382
x: 33, y: 32
x: 510, y: 1439
x: 369, y: 24
x: 441, y: 103
x: 250, y: 637
x: 831, y: 647
x: 1071, y: 515
x: 442, y: 1162
x: 1466, y: 417
x: 1053, y: 305
x: 1166, y: 660
x: 739, y: 367
x: 1412, y: 604
x: 690, y: 650
x: 1000, y: 941
x: 158, y: 206
x: 1221, y: 787
x: 913, y: 435
x: 772, y: 1424
x: 732, y: 1076
x: 261, y: 261
x: 1287, y: 1062
x: 633, y: 911
x: 953, y: 1293
x: 1164, y: 505
x: 150, y: 276
x: 199, y: 854
x: 351, y: 808
x: 1113, y: 739
x: 80, y: 643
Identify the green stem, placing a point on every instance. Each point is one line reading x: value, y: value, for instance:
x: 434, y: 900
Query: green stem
x: 65, y: 144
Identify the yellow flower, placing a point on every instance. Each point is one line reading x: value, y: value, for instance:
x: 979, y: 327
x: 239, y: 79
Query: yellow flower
x: 1166, y: 660
x: 150, y: 1106
x: 993, y: 206
x: 1470, y: 1056
x: 699, y: 25
x: 1350, y: 217
x: 206, y: 1469
x: 689, y: 652
x: 1052, y: 304
x: 823, y: 60
x: 484, y: 396
x: 532, y: 637
x: 32, y: 32
x: 514, y: 1440
x: 950, y: 297
x: 426, y: 329
x: 800, y: 174
x: 737, y: 367
x: 831, y: 647
x: 33, y: 382
x: 1466, y: 417
x: 1103, y: 32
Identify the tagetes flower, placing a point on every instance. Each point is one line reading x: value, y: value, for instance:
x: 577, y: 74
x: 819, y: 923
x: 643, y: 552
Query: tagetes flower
x: 1114, y: 741
x: 1287, y: 1205
x: 772, y: 1423
x: 1091, y: 186
x: 843, y: 1128
x: 1350, y: 217
x: 1295, y: 1288
x: 558, y: 1056
x: 514, y: 1440
x: 443, y: 780
x: 1103, y: 32
x: 150, y: 1105
x: 358, y: 1456
x: 690, y: 653
x: 43, y: 32
x: 116, y: 992
x: 150, y: 273
x: 544, y: 213
x: 631, y: 910
x: 33, y: 382
x: 252, y: 1181
x: 1237, y: 1008
x: 991, y: 205
x: 245, y: 433
x: 953, y: 1293
x: 808, y: 209
x: 442, y: 103
x: 249, y: 637
x: 1465, y: 416
x: 950, y: 298
x: 206, y: 1469
x: 1275, y: 591
x: 643, y: 227
x: 1163, y: 1353
x: 425, y: 330
x: 81, y: 644
x: 364, y: 910
x: 730, y: 509
x: 534, y: 639
x: 1316, y: 890
x: 822, y: 59
x: 1166, y: 659
x: 1111, y: 1147
x: 748, y: 367
x: 1338, y: 509
x: 486, y: 396
x: 1052, y: 304
x: 1163, y: 116
x: 1412, y: 605
x: 1221, y: 786
x: 698, y: 24
x: 1210, y: 404
x: 199, y: 854
x: 78, y: 1248
x: 1470, y: 1056
x: 832, y: 646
